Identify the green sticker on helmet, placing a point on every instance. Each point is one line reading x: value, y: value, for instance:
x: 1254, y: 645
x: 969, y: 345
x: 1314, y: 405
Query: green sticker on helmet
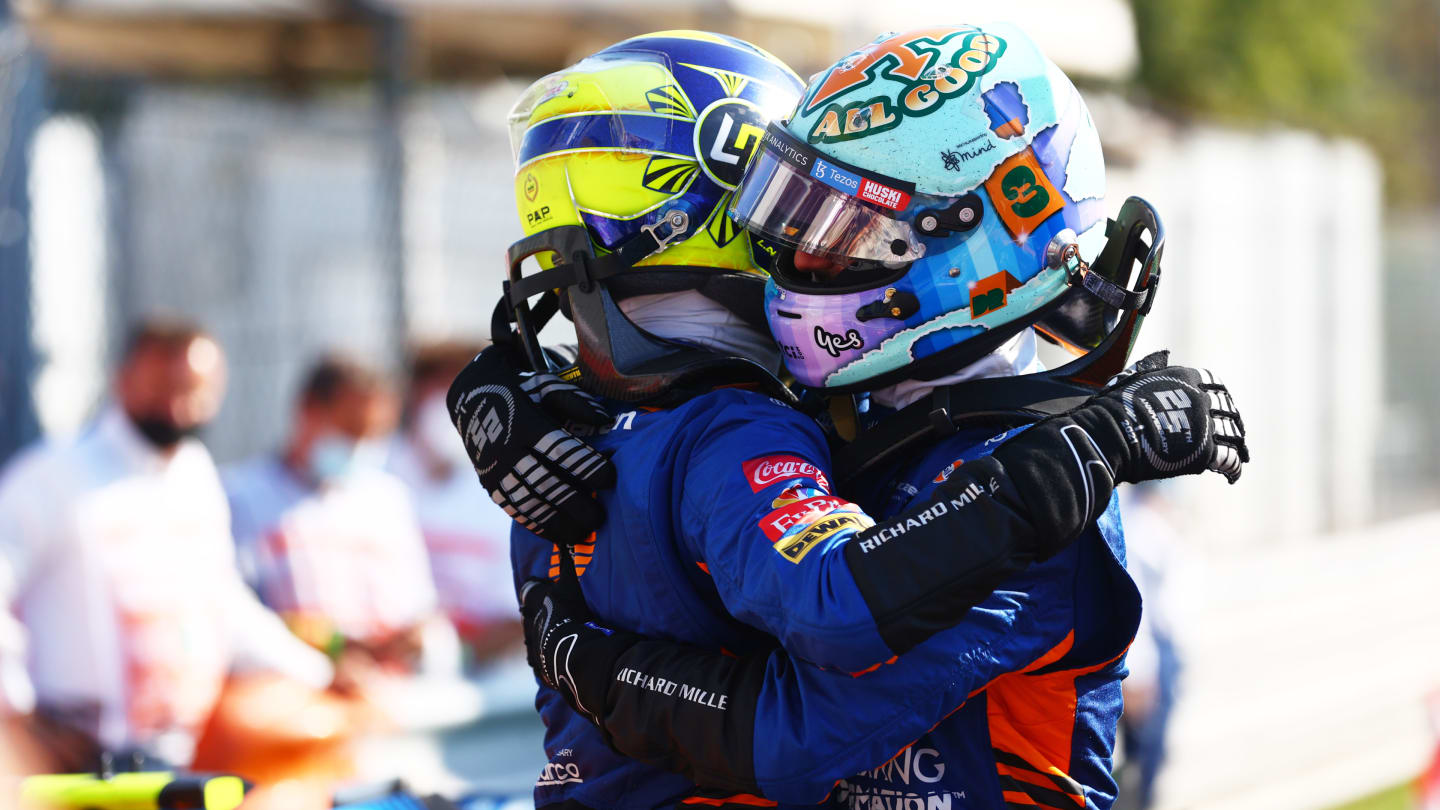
x: 1026, y: 194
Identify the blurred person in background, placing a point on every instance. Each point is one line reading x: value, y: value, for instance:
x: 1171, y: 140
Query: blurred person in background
x: 124, y: 608
x: 329, y: 539
x: 1152, y: 548
x: 467, y: 535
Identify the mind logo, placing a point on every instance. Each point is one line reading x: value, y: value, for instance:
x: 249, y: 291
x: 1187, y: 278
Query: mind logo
x: 909, y: 58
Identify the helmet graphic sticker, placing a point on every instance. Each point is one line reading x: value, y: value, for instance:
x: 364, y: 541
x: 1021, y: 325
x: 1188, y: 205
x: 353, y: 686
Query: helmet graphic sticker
x: 726, y: 135
x: 928, y: 67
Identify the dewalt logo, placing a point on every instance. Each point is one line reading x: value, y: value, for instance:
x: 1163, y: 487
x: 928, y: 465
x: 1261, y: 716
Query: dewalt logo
x: 795, y: 548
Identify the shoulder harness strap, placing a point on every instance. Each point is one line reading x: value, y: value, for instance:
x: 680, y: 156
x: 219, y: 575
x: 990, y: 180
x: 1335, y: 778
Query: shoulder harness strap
x: 1000, y: 402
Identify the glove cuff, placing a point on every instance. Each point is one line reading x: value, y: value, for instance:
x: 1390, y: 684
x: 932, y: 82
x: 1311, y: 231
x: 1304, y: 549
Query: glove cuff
x: 1110, y: 432
x: 1087, y: 450
x: 594, y: 665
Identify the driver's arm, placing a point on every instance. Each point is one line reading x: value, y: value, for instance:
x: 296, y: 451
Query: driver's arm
x: 833, y: 586
x: 785, y: 730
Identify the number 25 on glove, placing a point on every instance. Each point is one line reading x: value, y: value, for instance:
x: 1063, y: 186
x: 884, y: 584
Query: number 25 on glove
x: 514, y: 424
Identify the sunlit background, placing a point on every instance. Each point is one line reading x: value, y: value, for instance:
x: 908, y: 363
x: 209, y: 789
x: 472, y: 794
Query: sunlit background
x: 301, y: 176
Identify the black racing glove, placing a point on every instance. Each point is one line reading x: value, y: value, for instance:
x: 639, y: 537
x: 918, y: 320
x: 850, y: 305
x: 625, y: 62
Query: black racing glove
x: 675, y: 706
x: 517, y: 428
x: 1172, y: 420
x: 566, y: 649
x: 1154, y: 421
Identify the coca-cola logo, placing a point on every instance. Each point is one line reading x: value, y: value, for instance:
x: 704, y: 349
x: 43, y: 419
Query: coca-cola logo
x: 763, y: 472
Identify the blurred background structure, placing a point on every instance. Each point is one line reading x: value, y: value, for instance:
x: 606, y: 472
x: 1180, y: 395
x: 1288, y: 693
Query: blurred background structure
x: 302, y: 176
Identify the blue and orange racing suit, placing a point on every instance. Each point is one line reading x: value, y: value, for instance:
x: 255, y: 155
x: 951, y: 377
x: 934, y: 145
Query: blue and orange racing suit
x: 713, y: 541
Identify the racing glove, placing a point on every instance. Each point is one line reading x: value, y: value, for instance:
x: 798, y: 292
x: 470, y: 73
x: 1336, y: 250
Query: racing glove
x: 1154, y: 421
x: 566, y: 649
x: 1175, y: 421
x: 517, y: 428
x: 672, y: 705
x: 1037, y: 493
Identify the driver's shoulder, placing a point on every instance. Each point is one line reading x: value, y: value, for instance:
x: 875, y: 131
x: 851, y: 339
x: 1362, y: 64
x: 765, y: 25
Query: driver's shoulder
x: 725, y: 413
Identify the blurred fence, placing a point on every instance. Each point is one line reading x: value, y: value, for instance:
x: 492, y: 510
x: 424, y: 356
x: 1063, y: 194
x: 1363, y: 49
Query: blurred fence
x: 262, y: 216
x: 1306, y: 672
x: 1273, y: 279
x: 1409, y: 449
x: 22, y: 88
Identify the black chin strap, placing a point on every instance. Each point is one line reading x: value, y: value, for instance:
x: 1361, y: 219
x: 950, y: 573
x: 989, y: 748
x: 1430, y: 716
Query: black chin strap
x: 568, y: 578
x: 585, y: 271
x: 1082, y: 275
x: 998, y: 402
x: 502, y: 320
x: 1116, y: 295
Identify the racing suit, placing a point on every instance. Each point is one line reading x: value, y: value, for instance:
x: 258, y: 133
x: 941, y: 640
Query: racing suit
x: 699, y: 548
x: 1028, y: 686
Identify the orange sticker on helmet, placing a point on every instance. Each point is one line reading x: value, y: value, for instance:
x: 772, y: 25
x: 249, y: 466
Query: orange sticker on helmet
x: 991, y: 293
x: 1021, y: 193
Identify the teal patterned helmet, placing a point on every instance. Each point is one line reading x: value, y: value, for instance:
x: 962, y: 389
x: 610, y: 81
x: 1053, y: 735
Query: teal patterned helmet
x: 957, y: 176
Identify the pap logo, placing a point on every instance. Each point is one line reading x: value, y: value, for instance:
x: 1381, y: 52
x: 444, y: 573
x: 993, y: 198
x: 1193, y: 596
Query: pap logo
x: 782, y: 520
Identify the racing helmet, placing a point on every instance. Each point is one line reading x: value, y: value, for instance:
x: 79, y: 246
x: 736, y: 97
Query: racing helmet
x: 626, y: 163
x: 957, y: 176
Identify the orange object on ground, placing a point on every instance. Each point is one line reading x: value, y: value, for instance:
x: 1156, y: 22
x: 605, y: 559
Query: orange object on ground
x: 290, y: 740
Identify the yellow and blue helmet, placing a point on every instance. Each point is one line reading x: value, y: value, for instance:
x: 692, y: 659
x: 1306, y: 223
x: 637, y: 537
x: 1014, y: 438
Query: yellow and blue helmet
x: 626, y: 166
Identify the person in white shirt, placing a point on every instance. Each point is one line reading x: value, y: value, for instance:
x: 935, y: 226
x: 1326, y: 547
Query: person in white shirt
x: 124, y: 610
x: 329, y: 540
x: 466, y: 534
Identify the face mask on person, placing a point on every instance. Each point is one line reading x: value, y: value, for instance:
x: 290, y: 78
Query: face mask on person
x: 162, y: 432
x: 435, y: 431
x: 335, y: 456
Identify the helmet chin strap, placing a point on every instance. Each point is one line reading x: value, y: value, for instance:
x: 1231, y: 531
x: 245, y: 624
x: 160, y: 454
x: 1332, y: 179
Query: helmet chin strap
x: 618, y: 359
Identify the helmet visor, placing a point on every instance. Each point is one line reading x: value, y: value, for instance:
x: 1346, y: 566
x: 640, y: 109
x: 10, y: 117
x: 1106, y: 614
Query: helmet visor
x: 804, y: 200
x: 604, y: 102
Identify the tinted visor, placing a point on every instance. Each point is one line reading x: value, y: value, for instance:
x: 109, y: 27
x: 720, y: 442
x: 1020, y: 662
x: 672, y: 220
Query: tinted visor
x: 804, y: 200
x: 600, y: 103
